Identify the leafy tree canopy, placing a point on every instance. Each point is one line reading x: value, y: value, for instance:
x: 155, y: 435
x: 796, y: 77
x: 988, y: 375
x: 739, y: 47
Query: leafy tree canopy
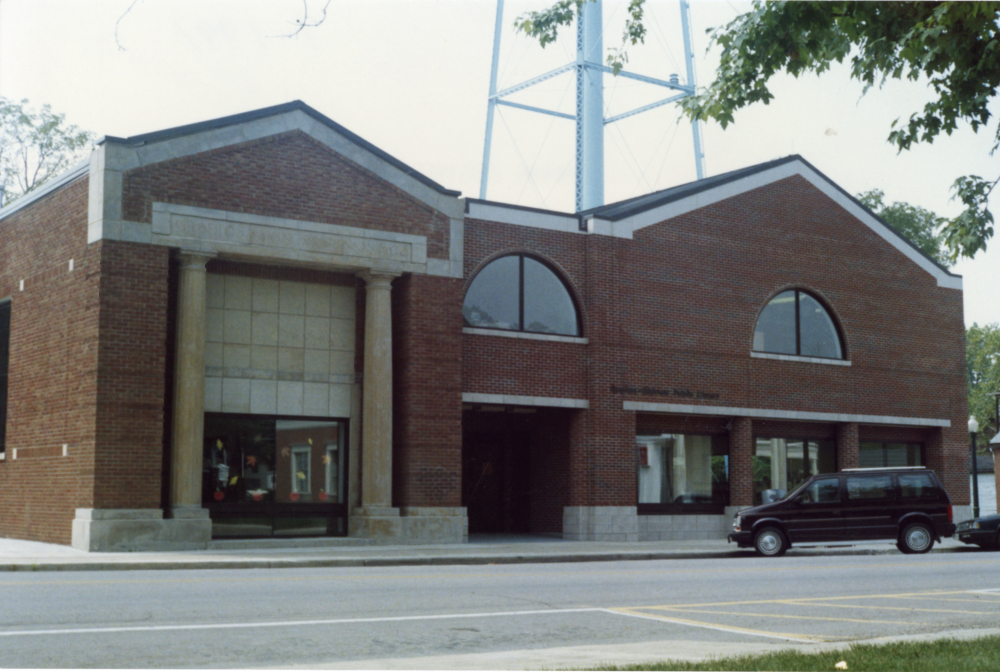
x: 953, y: 46
x: 921, y: 227
x: 35, y: 147
x: 982, y: 363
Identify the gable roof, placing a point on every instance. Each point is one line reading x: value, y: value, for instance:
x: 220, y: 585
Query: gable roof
x: 263, y: 113
x: 623, y: 218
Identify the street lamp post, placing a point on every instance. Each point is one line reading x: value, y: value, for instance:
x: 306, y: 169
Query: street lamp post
x: 973, y: 428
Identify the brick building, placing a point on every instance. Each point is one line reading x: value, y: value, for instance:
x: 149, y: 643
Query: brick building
x: 263, y: 325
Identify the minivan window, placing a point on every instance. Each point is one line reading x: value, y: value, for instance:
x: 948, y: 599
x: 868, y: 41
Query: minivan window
x: 917, y: 486
x: 869, y: 487
x: 824, y: 490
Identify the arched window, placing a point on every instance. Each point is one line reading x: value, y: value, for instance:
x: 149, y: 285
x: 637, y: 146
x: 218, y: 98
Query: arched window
x: 520, y: 293
x: 795, y: 323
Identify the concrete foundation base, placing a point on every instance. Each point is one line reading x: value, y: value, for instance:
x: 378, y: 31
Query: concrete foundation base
x: 123, y: 530
x: 683, y: 527
x: 600, y: 523
x: 410, y: 525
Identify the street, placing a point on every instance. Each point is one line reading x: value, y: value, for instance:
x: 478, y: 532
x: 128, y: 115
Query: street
x: 372, y: 617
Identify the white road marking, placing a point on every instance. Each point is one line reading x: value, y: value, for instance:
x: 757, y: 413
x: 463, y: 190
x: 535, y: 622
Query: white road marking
x: 279, y: 624
x: 985, y: 591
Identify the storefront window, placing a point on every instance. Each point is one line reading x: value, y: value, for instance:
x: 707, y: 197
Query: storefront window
x: 890, y: 454
x: 265, y: 476
x: 781, y: 465
x: 683, y: 472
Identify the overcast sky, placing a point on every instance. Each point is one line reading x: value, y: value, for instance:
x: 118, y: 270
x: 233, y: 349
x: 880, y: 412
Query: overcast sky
x: 411, y: 76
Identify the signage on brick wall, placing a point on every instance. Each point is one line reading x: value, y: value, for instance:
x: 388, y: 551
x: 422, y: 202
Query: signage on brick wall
x: 671, y: 392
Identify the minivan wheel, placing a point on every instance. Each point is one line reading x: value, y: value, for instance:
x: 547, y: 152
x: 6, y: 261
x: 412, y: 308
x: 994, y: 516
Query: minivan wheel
x: 770, y: 542
x: 916, y: 538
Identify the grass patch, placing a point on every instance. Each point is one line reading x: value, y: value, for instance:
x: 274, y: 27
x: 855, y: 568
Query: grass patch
x: 945, y: 655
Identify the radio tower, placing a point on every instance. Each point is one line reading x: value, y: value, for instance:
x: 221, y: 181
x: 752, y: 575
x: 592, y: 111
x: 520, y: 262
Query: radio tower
x: 589, y: 117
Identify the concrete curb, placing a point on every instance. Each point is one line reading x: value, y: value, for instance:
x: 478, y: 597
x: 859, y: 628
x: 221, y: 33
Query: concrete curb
x: 423, y: 560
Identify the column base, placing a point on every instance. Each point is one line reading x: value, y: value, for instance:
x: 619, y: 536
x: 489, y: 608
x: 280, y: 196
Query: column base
x: 600, y: 523
x: 410, y: 525
x: 126, y: 530
x: 380, y: 524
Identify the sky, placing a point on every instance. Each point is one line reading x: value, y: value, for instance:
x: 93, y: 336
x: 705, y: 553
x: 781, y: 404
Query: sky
x: 412, y: 77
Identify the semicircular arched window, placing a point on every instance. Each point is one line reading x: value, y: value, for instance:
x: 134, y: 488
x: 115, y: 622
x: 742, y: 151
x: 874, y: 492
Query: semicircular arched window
x: 795, y: 323
x: 520, y: 293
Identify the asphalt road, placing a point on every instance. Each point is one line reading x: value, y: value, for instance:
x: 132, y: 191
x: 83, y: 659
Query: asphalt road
x: 492, y: 616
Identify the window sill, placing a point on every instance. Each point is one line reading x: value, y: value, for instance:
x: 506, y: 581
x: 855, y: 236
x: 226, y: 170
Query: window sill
x: 796, y: 358
x: 474, y: 331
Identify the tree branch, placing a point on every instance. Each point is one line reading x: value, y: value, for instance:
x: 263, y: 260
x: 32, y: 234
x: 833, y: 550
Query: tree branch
x: 120, y: 47
x: 304, y: 23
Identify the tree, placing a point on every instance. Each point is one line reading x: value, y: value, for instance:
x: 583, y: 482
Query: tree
x: 35, y: 147
x: 982, y: 364
x: 921, y: 227
x: 953, y: 46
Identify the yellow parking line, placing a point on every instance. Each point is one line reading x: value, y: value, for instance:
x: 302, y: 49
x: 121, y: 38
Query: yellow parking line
x: 715, y: 626
x: 788, y: 616
x: 933, y: 611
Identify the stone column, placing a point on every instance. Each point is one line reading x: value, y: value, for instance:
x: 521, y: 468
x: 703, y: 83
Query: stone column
x: 376, y: 517
x: 189, y: 389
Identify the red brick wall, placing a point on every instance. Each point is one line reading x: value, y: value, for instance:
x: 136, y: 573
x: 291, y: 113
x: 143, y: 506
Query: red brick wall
x: 288, y: 175
x: 675, y: 308
x: 427, y: 391
x: 131, y: 373
x: 53, y: 365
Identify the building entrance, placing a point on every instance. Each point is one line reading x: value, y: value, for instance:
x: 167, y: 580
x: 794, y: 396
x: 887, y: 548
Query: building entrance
x: 496, y: 482
x: 514, y: 469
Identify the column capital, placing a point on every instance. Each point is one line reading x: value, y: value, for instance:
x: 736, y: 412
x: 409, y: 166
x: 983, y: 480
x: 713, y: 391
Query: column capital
x: 194, y: 260
x: 375, y: 279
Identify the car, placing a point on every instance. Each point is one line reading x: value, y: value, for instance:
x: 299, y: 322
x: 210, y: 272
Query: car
x: 905, y: 505
x: 983, y: 531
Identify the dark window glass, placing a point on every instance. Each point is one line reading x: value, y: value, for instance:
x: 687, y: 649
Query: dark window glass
x: 870, y: 487
x: 825, y: 490
x: 520, y: 294
x: 817, y: 335
x: 794, y: 323
x: 259, y: 472
x: 780, y: 465
x: 548, y: 308
x: 679, y: 472
x: 775, y: 330
x: 917, y: 486
x: 493, y: 299
x: 4, y: 366
x: 889, y: 454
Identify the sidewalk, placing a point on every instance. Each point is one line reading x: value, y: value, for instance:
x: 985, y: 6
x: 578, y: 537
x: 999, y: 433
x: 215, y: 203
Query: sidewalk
x: 30, y: 556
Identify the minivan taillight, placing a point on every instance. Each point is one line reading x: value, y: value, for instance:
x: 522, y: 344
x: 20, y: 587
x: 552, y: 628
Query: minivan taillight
x: 951, y: 515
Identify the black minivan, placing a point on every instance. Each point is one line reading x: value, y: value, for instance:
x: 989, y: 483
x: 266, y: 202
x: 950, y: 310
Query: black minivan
x: 907, y: 505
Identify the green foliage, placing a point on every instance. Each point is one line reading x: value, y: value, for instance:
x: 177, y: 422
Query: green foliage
x: 921, y: 227
x: 943, y: 655
x: 35, y: 147
x: 982, y: 365
x: 544, y: 27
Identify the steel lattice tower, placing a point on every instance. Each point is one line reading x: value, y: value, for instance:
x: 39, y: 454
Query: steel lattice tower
x: 589, y: 117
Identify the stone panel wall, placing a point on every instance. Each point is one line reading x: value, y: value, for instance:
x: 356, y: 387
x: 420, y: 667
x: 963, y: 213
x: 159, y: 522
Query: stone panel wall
x: 279, y: 347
